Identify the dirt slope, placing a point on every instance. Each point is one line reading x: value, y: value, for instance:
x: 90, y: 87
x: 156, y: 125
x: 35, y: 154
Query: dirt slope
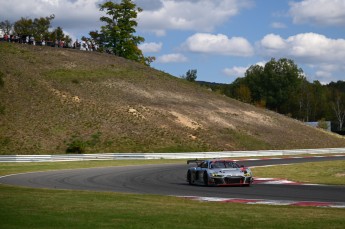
x: 55, y: 97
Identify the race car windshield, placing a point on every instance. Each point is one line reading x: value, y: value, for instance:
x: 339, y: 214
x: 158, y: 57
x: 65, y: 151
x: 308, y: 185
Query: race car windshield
x: 223, y: 164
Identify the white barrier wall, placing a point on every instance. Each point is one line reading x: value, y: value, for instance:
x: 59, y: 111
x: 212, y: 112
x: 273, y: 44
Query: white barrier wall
x: 136, y: 156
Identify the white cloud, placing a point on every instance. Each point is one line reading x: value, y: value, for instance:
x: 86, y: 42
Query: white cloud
x: 218, y: 44
x: 200, y: 15
x: 273, y: 44
x: 76, y: 17
x: 305, y: 46
x: 323, y: 74
x: 151, y: 47
x: 261, y: 63
x: 319, y: 12
x: 325, y: 55
x: 278, y: 25
x: 239, y: 71
x: 235, y: 71
x: 172, y: 58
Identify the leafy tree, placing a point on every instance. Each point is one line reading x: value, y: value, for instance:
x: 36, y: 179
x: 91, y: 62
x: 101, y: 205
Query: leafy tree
x: 67, y: 39
x: 24, y: 26
x: 41, y: 27
x: 99, y: 39
x: 6, y: 26
x: 58, y: 33
x: 243, y: 93
x: 191, y: 75
x: 117, y: 35
x: 280, y: 80
x: 272, y: 85
x: 322, y: 124
x: 339, y: 85
x: 320, y: 102
x: 253, y: 80
x: 339, y: 108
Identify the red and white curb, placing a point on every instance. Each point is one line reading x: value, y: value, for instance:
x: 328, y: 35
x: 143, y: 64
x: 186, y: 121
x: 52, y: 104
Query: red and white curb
x: 258, y: 180
x: 267, y: 202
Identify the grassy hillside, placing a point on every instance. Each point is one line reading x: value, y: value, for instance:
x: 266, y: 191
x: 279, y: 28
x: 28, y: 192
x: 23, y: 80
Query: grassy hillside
x: 55, y: 98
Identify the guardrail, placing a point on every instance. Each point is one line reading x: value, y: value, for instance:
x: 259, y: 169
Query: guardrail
x: 143, y: 156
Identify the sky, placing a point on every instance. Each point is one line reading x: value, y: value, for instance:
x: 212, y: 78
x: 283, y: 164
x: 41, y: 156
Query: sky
x: 218, y: 38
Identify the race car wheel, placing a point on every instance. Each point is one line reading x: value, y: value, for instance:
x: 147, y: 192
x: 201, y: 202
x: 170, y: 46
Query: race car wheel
x: 205, y: 179
x: 189, y: 177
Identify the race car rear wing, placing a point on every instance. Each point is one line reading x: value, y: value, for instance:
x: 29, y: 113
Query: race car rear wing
x: 195, y: 161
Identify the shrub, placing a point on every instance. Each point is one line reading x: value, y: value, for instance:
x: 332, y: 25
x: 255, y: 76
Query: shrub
x: 322, y: 124
x: 75, y: 81
x: 78, y: 145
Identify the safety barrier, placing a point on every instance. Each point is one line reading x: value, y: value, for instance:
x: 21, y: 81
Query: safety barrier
x: 136, y: 156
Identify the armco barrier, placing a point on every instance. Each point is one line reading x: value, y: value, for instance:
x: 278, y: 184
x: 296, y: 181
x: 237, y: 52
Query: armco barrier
x: 135, y: 156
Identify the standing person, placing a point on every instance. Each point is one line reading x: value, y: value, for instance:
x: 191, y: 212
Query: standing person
x: 75, y: 44
x: 32, y: 40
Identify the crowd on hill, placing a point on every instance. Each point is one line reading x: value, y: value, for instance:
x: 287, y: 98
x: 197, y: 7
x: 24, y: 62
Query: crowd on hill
x: 85, y: 45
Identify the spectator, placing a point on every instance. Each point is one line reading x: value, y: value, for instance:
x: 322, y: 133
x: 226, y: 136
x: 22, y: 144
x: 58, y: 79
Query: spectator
x: 32, y: 40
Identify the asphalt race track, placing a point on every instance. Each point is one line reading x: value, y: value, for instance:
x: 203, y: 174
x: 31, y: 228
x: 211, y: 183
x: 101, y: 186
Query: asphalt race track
x: 170, y: 179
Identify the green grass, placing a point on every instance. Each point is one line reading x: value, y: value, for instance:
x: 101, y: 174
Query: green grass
x: 14, y: 168
x: 38, y: 208
x: 248, y: 142
x: 97, y: 74
x: 330, y: 172
x: 43, y: 208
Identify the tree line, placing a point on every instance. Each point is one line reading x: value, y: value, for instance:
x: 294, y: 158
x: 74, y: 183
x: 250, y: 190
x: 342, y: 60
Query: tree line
x: 116, y: 37
x: 38, y: 28
x: 281, y: 86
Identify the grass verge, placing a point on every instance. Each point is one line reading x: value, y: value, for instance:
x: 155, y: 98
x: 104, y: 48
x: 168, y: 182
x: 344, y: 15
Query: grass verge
x: 39, y: 208
x: 328, y: 172
x: 14, y: 168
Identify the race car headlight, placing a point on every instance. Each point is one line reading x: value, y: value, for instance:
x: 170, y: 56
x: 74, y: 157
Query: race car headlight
x: 216, y: 175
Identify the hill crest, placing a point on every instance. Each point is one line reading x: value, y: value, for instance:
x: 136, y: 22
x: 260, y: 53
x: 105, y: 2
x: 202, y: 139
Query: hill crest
x: 56, y: 98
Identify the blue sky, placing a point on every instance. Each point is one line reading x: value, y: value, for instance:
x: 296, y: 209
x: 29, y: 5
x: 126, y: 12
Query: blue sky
x: 219, y: 38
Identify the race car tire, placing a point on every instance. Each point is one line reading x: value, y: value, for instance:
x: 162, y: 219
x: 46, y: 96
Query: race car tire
x: 205, y: 178
x: 189, y: 177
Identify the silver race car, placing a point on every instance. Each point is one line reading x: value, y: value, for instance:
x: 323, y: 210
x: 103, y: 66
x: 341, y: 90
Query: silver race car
x: 219, y: 172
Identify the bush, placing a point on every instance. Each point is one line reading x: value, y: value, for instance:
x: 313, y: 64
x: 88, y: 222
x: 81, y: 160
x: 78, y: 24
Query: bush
x: 78, y: 145
x: 322, y: 124
x: 191, y: 75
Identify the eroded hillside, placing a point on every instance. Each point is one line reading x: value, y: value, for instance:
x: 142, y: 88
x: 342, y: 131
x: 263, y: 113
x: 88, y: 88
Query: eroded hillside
x: 53, y: 98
